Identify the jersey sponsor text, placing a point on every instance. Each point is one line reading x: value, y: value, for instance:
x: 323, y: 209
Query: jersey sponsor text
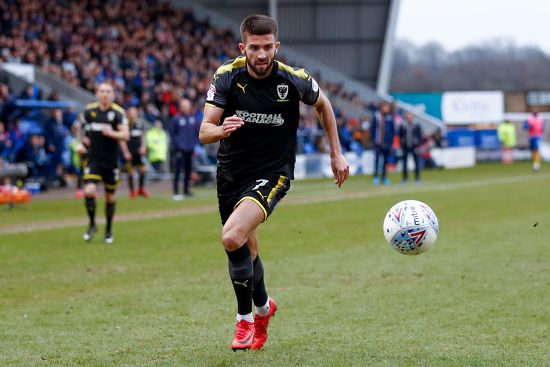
x: 275, y: 119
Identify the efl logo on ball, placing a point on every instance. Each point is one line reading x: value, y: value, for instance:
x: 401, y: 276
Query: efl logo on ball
x: 411, y: 227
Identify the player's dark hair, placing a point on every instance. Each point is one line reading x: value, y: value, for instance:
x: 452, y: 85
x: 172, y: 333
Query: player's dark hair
x: 258, y: 25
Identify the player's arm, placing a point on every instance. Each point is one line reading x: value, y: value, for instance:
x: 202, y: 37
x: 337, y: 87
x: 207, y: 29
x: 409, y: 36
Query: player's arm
x: 122, y: 132
x: 124, y: 149
x: 339, y: 164
x: 211, y: 130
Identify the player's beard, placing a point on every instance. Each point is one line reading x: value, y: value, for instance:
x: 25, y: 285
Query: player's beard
x: 260, y: 72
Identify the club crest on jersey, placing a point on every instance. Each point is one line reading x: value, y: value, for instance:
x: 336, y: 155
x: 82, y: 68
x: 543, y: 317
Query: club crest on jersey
x: 282, y: 92
x: 111, y: 115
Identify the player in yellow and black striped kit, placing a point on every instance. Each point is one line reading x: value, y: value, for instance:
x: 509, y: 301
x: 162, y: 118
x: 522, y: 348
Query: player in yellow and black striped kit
x: 252, y: 108
x: 102, y: 125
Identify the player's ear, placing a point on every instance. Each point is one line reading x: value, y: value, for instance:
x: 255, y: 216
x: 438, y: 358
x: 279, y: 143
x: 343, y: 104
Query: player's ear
x: 242, y: 47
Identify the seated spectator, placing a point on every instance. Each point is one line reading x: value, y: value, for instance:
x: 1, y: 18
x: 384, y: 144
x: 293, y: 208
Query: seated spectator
x: 37, y: 157
x: 6, y: 102
x: 424, y: 153
x: 55, y: 133
x: 17, y: 142
x: 4, y: 142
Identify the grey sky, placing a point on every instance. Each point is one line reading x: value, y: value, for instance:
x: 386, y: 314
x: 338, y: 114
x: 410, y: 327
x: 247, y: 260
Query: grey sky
x: 456, y: 23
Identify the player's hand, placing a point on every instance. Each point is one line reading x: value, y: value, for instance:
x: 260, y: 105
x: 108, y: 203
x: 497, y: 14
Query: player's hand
x: 107, y: 130
x: 141, y: 150
x: 86, y: 141
x: 230, y: 124
x: 340, y: 168
x: 81, y: 149
x: 127, y: 157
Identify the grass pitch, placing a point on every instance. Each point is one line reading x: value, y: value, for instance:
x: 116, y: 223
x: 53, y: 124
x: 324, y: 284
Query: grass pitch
x: 160, y: 296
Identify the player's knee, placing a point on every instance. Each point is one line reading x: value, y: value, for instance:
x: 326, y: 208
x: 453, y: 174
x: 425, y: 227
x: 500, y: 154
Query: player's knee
x: 89, y: 190
x: 231, y: 239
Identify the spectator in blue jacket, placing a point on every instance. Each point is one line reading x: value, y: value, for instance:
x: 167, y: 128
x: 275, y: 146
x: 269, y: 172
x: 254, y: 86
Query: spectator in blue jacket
x: 382, y: 132
x: 184, y: 133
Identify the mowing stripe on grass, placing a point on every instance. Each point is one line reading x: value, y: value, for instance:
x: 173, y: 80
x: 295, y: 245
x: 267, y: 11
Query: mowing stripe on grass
x: 312, y: 197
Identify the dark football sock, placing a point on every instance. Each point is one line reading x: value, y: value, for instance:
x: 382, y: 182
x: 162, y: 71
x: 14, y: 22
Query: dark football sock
x: 109, y: 213
x: 259, y: 294
x: 90, y: 208
x: 241, y: 274
x: 141, y: 180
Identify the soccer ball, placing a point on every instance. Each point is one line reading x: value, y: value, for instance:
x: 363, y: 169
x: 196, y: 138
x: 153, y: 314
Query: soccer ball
x: 411, y: 227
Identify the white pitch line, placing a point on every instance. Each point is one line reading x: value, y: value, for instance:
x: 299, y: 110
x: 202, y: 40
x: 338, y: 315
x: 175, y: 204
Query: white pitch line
x: 322, y: 196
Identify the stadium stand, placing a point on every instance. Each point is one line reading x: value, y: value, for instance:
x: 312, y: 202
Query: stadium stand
x: 153, y: 54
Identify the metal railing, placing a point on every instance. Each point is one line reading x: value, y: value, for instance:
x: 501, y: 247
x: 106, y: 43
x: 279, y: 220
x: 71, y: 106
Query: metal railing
x: 50, y: 82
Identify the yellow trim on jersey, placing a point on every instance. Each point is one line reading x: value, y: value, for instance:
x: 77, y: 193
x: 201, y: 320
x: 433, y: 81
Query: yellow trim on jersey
x: 118, y: 108
x: 91, y: 176
x: 210, y: 104
x: 239, y: 62
x: 254, y: 200
x: 276, y: 188
x: 92, y: 105
x: 301, y: 73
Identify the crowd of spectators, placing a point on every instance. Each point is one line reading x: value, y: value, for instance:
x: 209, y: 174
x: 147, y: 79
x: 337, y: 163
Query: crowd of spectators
x: 37, y: 137
x: 153, y: 54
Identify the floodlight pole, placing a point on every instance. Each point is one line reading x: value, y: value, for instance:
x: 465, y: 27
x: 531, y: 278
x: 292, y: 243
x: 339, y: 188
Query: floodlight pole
x: 273, y: 9
x: 386, y: 60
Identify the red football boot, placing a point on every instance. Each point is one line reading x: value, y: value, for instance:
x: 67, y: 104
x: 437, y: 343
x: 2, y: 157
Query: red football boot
x: 143, y: 193
x: 261, y: 323
x: 244, y: 335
